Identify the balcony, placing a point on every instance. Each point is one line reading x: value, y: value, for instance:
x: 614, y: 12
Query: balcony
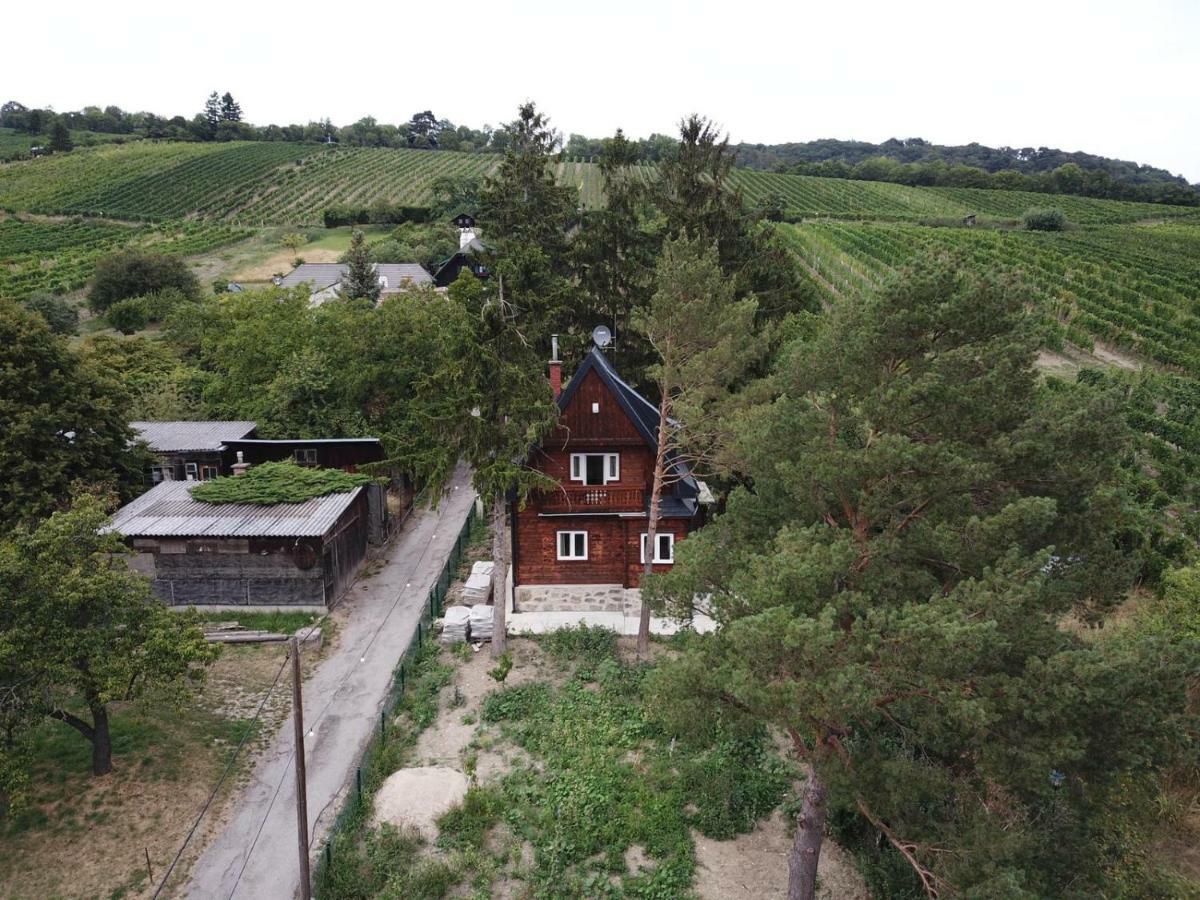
x: 593, y: 498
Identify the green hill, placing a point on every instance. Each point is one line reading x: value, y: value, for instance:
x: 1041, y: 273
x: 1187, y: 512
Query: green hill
x: 276, y: 183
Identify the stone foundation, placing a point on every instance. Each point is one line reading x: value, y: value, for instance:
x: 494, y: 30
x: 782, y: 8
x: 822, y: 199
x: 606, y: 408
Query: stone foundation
x: 576, y: 598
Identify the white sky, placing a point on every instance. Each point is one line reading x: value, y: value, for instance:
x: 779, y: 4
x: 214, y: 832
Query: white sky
x: 1119, y: 79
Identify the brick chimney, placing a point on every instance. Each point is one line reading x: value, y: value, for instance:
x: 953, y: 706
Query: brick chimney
x: 240, y: 467
x: 555, y: 367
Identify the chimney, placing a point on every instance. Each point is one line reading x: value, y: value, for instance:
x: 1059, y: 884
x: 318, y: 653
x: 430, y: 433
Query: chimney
x: 240, y: 467
x: 555, y: 367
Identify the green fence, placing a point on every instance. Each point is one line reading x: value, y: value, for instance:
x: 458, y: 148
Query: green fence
x: 431, y: 609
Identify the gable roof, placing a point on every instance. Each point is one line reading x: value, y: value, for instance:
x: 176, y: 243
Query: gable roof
x: 641, y: 411
x: 180, y: 437
x: 319, y: 276
x: 168, y: 510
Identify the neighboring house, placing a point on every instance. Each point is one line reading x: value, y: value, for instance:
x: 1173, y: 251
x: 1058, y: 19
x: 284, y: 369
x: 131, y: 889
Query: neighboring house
x: 324, y: 280
x: 469, y: 248
x: 240, y: 554
x: 582, y: 545
x: 190, y: 451
x: 201, y: 451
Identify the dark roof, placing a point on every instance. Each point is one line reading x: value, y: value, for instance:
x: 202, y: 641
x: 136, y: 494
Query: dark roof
x: 641, y: 411
x: 179, y: 437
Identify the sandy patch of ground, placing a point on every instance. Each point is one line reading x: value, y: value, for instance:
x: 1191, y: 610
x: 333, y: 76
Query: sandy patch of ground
x: 417, y: 797
x: 447, y: 740
x: 754, y: 866
x: 281, y: 261
x: 1115, y: 357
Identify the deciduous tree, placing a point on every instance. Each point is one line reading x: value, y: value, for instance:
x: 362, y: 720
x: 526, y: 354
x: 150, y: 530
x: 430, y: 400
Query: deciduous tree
x: 62, y: 421
x: 80, y: 631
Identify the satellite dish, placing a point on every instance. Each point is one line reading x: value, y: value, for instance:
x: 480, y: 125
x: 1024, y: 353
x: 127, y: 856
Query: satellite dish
x: 601, y: 336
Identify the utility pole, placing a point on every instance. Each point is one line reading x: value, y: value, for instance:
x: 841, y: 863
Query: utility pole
x: 301, y: 788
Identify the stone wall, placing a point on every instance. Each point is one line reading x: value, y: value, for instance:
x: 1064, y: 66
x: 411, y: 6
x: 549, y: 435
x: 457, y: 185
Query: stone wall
x: 576, y: 598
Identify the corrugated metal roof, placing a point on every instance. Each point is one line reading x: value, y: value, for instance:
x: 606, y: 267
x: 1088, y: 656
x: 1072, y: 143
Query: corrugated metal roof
x: 177, y: 437
x: 319, y: 276
x: 168, y: 510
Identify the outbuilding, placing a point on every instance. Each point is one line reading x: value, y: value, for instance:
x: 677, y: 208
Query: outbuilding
x: 294, y: 555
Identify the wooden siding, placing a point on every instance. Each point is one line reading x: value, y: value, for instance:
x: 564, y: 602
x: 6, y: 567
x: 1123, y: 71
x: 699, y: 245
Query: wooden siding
x: 614, y: 542
x: 614, y: 548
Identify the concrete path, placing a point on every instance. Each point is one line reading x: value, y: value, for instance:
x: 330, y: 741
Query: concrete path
x: 621, y: 623
x: 254, y: 855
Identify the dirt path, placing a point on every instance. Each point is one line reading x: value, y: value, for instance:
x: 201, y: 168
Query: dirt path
x: 254, y: 855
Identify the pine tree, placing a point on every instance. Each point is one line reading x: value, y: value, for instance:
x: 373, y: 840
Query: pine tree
x: 702, y: 338
x: 230, y: 110
x: 923, y: 517
x: 360, y: 281
x: 212, y: 115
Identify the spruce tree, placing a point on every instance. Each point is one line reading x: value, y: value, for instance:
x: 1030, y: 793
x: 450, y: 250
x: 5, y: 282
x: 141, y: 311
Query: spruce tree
x: 230, y: 110
x: 212, y: 115
x: 895, y: 587
x: 360, y: 281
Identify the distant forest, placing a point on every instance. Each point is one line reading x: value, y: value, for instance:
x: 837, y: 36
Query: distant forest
x: 912, y: 161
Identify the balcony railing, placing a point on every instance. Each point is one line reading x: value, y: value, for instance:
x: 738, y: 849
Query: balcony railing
x: 594, y: 498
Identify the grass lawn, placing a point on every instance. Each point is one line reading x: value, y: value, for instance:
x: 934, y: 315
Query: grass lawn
x: 81, y: 836
x: 256, y: 260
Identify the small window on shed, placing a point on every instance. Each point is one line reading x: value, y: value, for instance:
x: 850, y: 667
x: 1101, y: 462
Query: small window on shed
x: 305, y: 456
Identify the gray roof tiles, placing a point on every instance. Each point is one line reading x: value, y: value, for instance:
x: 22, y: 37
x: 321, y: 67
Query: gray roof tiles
x: 180, y: 437
x: 322, y: 275
x: 168, y: 510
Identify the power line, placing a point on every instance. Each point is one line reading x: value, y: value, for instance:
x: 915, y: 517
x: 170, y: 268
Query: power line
x: 333, y: 696
x: 225, y: 774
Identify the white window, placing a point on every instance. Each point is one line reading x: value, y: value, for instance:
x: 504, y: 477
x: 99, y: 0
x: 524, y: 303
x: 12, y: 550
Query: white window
x: 595, y: 408
x: 208, y: 473
x: 595, y: 468
x: 191, y: 471
x: 306, y: 456
x: 665, y: 551
x: 572, y: 545
x: 159, y: 473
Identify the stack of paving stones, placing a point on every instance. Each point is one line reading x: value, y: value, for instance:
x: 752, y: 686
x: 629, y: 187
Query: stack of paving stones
x: 456, y: 624
x: 479, y: 585
x: 481, y: 622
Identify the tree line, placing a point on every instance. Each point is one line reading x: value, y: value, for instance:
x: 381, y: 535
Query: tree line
x: 1069, y: 178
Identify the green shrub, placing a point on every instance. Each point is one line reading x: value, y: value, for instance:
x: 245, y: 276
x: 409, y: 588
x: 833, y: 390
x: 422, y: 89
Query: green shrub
x: 516, y: 703
x: 278, y: 482
x: 590, y: 645
x: 136, y: 273
x: 61, y: 316
x: 130, y: 315
x: 1045, y: 219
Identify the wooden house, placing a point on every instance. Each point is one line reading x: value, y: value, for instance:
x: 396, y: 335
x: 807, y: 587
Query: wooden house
x: 582, y: 545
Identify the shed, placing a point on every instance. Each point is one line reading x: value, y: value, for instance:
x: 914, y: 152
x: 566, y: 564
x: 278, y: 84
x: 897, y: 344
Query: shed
x: 324, y: 280
x: 301, y: 555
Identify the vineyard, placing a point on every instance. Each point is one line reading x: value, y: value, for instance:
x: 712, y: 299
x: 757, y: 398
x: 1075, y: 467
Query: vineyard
x: 1137, y: 287
x: 60, y: 256
x: 266, y: 183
